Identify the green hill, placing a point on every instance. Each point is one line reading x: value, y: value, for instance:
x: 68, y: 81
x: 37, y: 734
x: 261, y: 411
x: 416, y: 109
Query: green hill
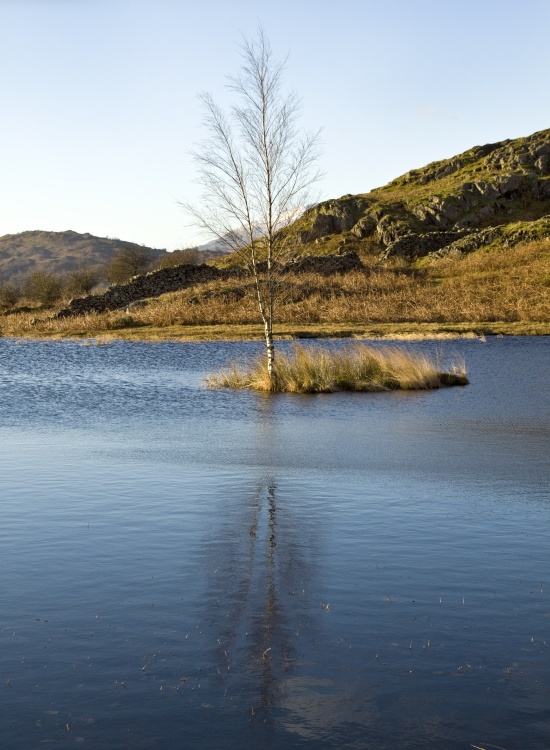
x: 461, y: 245
x: 499, y: 193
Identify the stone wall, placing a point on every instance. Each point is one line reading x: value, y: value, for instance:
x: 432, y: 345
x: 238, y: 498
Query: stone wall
x: 324, y: 264
x: 181, y: 277
x: 151, y: 285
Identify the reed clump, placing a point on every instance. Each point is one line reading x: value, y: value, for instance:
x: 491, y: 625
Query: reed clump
x: 357, y: 367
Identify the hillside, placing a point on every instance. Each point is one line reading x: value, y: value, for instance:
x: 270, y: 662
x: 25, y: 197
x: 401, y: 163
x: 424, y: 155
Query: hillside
x: 461, y: 245
x: 58, y: 252
x: 497, y: 194
x: 493, y: 194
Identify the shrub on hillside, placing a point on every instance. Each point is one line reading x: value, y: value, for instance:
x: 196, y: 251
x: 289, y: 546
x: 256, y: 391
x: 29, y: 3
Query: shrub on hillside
x: 185, y: 256
x: 82, y: 281
x: 126, y: 263
x: 43, y: 287
x: 9, y: 294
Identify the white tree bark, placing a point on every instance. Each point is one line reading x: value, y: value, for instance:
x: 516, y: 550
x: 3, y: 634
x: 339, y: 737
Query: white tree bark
x: 256, y: 171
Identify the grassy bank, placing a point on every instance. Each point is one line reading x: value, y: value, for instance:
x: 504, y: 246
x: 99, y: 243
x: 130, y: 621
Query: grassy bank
x: 501, y: 291
x: 253, y: 332
x: 356, y: 368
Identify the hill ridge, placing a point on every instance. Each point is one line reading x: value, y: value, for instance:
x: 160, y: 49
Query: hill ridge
x: 497, y: 184
x: 498, y: 192
x: 58, y: 252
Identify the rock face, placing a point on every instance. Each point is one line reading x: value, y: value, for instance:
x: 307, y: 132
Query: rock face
x: 418, y: 245
x: 505, y: 235
x: 130, y: 295
x: 428, y: 209
x: 334, y: 217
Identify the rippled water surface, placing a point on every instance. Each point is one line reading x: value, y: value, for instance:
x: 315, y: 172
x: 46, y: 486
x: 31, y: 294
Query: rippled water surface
x: 184, y: 568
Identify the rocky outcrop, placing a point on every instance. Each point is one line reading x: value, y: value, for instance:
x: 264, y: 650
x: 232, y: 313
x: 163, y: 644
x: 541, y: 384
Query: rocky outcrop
x: 506, y: 236
x: 531, y: 154
x: 418, y: 245
x: 390, y: 228
x: 364, y: 227
x: 467, y: 244
x: 486, y: 186
x: 333, y: 217
x: 459, y: 242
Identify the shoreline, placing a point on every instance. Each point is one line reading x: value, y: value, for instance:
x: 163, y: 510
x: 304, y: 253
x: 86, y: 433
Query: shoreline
x: 246, y: 332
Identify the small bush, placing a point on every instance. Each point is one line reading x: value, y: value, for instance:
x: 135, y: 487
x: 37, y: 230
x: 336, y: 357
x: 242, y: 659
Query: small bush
x: 126, y: 263
x: 186, y: 256
x: 9, y: 294
x: 82, y: 282
x: 43, y: 287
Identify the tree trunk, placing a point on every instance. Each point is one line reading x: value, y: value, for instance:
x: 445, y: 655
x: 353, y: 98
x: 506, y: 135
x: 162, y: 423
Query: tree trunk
x: 270, y: 347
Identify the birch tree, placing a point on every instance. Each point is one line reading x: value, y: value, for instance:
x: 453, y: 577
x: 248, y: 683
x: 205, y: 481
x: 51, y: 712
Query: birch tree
x: 256, y: 168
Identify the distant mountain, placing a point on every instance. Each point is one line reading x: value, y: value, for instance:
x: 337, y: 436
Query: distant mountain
x: 239, y: 238
x: 58, y: 252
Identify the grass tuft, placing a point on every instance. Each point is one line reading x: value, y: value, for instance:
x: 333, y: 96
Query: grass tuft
x: 355, y: 368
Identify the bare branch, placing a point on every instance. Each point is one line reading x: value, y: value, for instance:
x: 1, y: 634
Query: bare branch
x: 256, y: 170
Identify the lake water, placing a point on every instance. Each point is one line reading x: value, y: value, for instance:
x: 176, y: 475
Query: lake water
x: 185, y: 568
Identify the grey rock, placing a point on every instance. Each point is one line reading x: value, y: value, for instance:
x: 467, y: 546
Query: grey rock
x: 507, y: 236
x: 542, y: 164
x: 364, y: 227
x: 389, y: 229
x: 508, y: 183
x: 419, y: 245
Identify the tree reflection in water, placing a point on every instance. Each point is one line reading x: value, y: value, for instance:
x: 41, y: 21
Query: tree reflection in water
x: 257, y: 600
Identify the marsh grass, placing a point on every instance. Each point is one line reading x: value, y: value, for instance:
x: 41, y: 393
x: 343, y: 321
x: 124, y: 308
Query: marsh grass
x: 354, y: 368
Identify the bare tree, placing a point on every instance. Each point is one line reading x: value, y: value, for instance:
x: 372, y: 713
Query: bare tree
x: 43, y: 287
x: 184, y: 256
x: 83, y: 280
x: 256, y: 169
x: 127, y: 262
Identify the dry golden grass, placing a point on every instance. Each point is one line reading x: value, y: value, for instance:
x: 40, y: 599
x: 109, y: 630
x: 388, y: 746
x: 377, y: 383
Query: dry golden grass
x: 510, y: 285
x: 355, y: 368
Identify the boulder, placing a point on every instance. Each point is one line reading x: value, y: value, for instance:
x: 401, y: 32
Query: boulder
x: 364, y: 227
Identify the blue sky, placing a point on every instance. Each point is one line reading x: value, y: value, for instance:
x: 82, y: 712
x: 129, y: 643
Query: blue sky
x: 99, y: 107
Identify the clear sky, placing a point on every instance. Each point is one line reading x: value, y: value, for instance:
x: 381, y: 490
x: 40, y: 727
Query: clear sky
x: 99, y: 107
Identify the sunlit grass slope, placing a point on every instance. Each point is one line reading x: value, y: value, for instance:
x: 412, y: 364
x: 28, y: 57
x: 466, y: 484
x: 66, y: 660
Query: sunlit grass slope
x: 504, y: 286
